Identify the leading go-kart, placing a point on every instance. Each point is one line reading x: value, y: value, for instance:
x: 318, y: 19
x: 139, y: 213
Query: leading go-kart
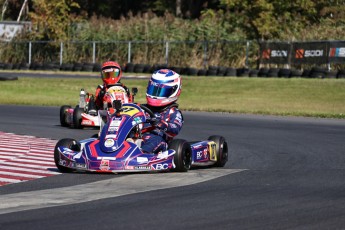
x: 117, y: 147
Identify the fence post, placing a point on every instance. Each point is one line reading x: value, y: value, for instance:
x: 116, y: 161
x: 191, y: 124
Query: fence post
x: 247, y: 54
x: 30, y: 52
x: 166, y: 52
x: 129, y: 52
x: 205, y: 54
x: 61, y: 53
x: 93, y: 52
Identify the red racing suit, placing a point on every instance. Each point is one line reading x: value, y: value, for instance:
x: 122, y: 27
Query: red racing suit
x: 100, y: 93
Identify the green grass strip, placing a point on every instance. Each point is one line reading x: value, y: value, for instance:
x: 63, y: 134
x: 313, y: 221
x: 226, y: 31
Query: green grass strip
x: 274, y: 96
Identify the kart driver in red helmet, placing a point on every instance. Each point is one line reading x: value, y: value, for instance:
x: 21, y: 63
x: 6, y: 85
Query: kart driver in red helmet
x: 111, y: 74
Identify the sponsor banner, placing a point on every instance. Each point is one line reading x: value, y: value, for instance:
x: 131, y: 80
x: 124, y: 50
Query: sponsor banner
x: 336, y: 52
x: 10, y: 29
x: 310, y: 52
x: 274, y: 52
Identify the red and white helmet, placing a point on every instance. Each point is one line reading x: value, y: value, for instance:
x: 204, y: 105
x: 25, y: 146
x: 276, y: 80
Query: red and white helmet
x: 111, y: 73
x: 163, y: 88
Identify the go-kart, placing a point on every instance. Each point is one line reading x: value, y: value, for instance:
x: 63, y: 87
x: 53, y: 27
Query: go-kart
x: 81, y: 116
x: 117, y: 147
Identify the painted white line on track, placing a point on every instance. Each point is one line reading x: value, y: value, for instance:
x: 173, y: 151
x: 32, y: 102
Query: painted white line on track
x: 19, y: 174
x: 28, y: 170
x: 24, y: 157
x: 33, y: 161
x: 9, y: 180
x: 118, y: 186
x: 24, y: 165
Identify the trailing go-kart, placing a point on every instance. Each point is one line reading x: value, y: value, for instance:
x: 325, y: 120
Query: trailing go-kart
x: 80, y: 116
x: 117, y: 147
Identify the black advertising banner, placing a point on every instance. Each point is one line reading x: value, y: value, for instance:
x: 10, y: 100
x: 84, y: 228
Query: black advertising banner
x: 336, y: 52
x: 274, y: 52
x: 310, y: 52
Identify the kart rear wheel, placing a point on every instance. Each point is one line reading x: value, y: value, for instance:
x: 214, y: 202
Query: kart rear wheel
x: 77, y: 118
x: 63, y: 115
x: 221, y: 150
x: 67, y: 142
x: 183, y: 155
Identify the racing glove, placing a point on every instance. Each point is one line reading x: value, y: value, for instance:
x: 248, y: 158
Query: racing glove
x: 161, y: 127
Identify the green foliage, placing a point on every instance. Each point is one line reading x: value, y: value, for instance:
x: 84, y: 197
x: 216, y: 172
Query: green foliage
x: 52, y: 19
x: 111, y: 23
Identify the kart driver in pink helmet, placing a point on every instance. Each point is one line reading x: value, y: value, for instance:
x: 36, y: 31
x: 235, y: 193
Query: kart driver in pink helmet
x: 163, y: 90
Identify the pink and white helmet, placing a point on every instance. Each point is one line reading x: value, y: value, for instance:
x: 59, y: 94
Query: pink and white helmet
x: 164, y: 88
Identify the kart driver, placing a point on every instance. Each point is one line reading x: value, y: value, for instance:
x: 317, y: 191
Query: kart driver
x: 163, y: 90
x: 111, y: 74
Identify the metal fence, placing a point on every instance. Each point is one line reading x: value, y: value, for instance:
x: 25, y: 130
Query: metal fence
x: 196, y: 54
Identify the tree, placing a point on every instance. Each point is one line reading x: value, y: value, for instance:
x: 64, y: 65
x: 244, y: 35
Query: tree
x: 266, y: 19
x: 52, y: 18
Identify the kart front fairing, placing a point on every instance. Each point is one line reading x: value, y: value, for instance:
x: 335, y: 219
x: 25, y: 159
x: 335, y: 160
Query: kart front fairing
x: 111, y: 152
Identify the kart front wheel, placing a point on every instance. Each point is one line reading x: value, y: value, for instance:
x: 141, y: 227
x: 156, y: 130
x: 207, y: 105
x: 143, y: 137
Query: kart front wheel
x: 63, y: 115
x: 67, y: 142
x: 183, y: 155
x: 221, y: 150
x: 77, y: 118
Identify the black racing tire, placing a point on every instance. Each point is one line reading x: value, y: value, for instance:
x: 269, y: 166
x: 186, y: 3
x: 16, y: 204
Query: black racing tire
x: 77, y: 117
x: 129, y: 68
x: 221, y: 150
x: 63, y: 115
x: 202, y: 72
x: 183, y: 155
x: 66, y: 142
x: 8, y: 78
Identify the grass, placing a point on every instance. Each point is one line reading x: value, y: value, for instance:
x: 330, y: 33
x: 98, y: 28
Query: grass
x: 273, y: 96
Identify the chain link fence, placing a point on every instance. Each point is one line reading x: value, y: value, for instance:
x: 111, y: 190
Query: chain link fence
x: 193, y: 54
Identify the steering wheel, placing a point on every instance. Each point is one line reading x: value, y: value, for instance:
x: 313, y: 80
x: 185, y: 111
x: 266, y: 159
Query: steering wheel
x: 149, y: 111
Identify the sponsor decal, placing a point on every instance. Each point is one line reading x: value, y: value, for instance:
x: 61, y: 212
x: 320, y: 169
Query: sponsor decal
x: 197, y: 146
x: 163, y: 155
x: 109, y: 143
x: 142, y: 160
x: 313, y: 53
x: 105, y: 165
x: 81, y: 166
x: 337, y: 52
x: 266, y: 54
x: 137, y: 120
x: 199, y: 154
x: 113, y: 129
x: 67, y: 151
x: 161, y: 166
x: 62, y: 162
x: 279, y: 53
x: 86, y: 122
x: 142, y: 167
x: 115, y: 123
x: 111, y: 136
x: 301, y: 53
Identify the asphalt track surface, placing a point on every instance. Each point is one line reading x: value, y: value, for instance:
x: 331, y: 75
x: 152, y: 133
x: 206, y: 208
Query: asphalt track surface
x: 283, y: 173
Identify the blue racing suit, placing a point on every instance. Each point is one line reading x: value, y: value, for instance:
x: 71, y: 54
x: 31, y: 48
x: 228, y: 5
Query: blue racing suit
x: 170, y: 121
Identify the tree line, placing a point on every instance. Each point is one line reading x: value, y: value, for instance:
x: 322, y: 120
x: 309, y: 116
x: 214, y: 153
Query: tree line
x: 252, y: 19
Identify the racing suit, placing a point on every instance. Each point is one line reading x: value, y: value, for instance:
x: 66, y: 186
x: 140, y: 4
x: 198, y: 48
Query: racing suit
x: 168, y: 125
x: 97, y: 102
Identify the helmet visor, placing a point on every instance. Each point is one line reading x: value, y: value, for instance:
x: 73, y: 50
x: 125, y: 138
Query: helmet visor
x: 160, y: 90
x: 110, y: 73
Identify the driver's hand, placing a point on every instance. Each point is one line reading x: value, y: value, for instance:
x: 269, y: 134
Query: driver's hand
x: 154, y: 122
x: 162, y: 125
